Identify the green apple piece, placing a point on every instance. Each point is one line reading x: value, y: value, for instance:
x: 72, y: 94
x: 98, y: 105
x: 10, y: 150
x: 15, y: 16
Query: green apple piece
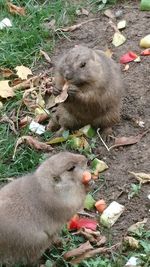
x: 88, y: 131
x: 145, y: 5
x: 89, y: 202
x: 98, y: 166
x: 111, y: 214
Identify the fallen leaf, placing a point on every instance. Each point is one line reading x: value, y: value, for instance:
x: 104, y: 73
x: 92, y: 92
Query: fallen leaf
x: 118, y: 39
x: 46, y: 56
x: 134, y: 227
x: 76, y: 223
x: 141, y: 177
x: 108, y: 13
x: 32, y: 142
x: 146, y: 52
x: 41, y: 117
x: 25, y: 121
x: 51, y: 102
x: 121, y: 24
x: 128, y: 57
x: 125, y: 141
x: 82, y: 11
x: 91, y: 253
x: 19, y: 84
x: 78, y: 251
x: 11, y: 123
x: 132, y: 242
x: 6, y: 72
x: 61, y: 139
x: 16, y: 9
x: 63, y: 96
x: 6, y: 90
x: 23, y: 72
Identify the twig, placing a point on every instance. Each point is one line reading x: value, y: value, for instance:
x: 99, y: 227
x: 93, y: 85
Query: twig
x: 102, y: 139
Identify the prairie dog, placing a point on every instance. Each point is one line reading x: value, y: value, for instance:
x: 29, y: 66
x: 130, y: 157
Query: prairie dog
x: 34, y: 207
x: 94, y: 94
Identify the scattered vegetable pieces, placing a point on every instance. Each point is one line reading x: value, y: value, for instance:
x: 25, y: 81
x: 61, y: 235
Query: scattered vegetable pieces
x: 128, y: 57
x: 142, y: 177
x: 111, y: 214
x: 145, y: 42
x: 76, y: 223
x: 121, y: 24
x: 145, y: 5
x: 86, y: 177
x: 89, y: 202
x: 88, y: 131
x: 100, y: 205
x: 98, y: 166
x: 16, y: 9
x: 146, y: 52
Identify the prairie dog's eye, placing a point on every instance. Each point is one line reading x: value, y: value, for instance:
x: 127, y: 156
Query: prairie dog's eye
x: 57, y: 179
x: 82, y: 64
x: 71, y: 169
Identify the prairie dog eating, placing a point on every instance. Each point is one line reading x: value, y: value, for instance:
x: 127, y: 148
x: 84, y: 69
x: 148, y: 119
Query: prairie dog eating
x: 34, y: 207
x: 94, y: 93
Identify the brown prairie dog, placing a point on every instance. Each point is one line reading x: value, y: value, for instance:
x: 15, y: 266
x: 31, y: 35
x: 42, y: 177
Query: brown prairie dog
x: 34, y: 207
x: 94, y: 93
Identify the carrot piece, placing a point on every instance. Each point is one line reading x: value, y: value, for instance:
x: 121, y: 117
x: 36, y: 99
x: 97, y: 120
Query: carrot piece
x: 86, y: 177
x: 100, y: 205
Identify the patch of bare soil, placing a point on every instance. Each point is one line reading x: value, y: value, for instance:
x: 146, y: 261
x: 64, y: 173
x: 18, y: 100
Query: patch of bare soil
x: 136, y: 104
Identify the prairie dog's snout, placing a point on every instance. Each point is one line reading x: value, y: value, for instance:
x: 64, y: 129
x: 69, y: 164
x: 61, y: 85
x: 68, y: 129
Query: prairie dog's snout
x: 35, y: 207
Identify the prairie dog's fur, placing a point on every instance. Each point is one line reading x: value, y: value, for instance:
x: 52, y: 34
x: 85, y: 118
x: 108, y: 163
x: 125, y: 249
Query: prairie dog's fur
x: 34, y: 207
x: 94, y: 93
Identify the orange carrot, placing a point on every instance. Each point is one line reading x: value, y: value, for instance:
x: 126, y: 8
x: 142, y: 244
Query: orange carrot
x: 100, y: 205
x: 86, y: 177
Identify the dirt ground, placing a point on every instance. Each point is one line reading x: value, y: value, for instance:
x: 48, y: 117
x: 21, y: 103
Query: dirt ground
x: 98, y: 34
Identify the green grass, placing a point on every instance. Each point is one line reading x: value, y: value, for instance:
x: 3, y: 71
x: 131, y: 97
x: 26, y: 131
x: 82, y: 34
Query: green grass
x: 21, y: 43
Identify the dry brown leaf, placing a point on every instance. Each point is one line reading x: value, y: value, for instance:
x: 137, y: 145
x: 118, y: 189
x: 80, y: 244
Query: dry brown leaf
x: 108, y: 13
x: 92, y: 253
x: 10, y: 122
x: 78, y: 251
x: 25, y: 121
x: 50, y: 102
x: 23, y: 72
x: 6, y: 90
x: 82, y: 11
x: 6, y: 72
x: 63, y: 96
x: 142, y: 177
x: 16, y: 9
x: 26, y: 84
x: 42, y: 117
x: 134, y: 227
x: 125, y: 141
x: 32, y: 142
x: 132, y: 242
x: 46, y: 56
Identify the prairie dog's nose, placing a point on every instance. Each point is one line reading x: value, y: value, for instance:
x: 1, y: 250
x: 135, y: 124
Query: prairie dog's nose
x: 68, y: 75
